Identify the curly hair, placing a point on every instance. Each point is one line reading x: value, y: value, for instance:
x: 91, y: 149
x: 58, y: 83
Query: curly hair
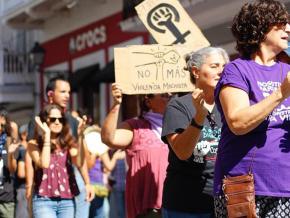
x: 254, y: 21
x: 66, y: 140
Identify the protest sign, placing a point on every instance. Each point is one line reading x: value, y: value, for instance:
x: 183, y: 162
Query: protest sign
x: 169, y: 24
x: 144, y: 69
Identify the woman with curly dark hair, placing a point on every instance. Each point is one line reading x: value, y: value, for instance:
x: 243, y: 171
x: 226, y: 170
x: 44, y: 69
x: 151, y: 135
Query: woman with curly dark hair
x: 253, y: 99
x: 53, y: 150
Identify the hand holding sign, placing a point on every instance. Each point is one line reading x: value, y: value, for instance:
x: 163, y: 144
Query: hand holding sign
x: 116, y: 93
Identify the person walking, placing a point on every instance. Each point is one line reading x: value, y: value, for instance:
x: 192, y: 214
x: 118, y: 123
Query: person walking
x: 99, y: 163
x: 58, y: 92
x: 8, y: 165
x: 253, y: 99
x: 117, y: 183
x: 53, y: 151
x: 146, y: 154
x: 22, y: 207
x: 191, y: 128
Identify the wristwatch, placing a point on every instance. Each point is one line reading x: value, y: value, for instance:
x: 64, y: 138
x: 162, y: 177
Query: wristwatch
x: 194, y: 124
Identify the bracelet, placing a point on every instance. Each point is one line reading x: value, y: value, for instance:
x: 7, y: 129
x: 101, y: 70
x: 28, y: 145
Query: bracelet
x: 28, y: 186
x: 194, y: 124
x: 46, y: 144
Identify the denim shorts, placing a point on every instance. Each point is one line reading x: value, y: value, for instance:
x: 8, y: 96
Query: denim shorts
x: 44, y: 207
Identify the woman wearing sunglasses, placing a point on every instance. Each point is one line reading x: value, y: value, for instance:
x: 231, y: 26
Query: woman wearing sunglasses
x: 146, y: 154
x: 53, y: 150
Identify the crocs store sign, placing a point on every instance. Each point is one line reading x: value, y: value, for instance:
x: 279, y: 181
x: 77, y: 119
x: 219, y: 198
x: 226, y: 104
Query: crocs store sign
x: 88, y: 39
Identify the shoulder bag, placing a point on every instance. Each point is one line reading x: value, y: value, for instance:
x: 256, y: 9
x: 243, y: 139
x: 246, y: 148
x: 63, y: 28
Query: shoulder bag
x: 239, y: 193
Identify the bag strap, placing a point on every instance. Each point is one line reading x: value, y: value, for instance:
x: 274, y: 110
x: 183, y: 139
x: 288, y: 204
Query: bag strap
x: 252, y: 161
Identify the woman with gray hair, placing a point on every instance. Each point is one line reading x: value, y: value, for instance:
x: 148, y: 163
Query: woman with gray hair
x: 191, y: 128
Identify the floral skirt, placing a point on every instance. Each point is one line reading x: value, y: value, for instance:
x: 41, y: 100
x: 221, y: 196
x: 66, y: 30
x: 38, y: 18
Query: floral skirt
x: 266, y: 207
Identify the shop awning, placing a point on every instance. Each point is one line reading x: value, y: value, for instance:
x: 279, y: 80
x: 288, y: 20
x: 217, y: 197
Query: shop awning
x: 82, y: 76
x: 92, y: 76
x: 105, y: 75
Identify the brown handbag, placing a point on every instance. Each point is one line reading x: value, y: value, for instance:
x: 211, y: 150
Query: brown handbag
x: 240, y: 196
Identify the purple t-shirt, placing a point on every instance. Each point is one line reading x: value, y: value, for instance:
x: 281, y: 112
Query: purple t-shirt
x: 268, y: 145
x: 96, y: 173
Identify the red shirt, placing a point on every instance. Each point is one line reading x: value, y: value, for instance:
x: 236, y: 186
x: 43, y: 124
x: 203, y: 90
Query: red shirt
x: 58, y: 179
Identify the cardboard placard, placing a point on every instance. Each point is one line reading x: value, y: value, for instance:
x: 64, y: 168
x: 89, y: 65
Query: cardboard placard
x: 144, y: 69
x: 169, y: 23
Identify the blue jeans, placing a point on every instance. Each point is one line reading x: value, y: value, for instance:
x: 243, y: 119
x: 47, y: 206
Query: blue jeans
x: 176, y: 214
x: 44, y: 207
x: 117, y: 204
x: 82, y: 206
x: 21, y: 209
x: 97, y: 208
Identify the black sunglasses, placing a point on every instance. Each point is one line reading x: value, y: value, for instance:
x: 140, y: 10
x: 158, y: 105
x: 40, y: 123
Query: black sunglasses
x: 53, y: 119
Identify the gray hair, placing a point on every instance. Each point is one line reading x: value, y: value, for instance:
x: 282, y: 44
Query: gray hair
x: 198, y: 57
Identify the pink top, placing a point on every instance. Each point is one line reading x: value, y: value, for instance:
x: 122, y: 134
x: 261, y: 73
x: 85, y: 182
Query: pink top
x: 58, y: 179
x: 147, y: 158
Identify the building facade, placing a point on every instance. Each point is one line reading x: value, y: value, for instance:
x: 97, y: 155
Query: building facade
x: 79, y: 37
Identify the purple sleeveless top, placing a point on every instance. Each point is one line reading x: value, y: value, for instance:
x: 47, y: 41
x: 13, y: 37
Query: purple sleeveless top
x: 96, y: 173
x: 58, y: 179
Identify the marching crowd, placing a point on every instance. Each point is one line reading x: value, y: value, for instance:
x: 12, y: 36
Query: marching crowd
x: 169, y: 161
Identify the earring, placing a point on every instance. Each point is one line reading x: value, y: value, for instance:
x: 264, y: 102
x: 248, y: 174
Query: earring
x: 50, y: 93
